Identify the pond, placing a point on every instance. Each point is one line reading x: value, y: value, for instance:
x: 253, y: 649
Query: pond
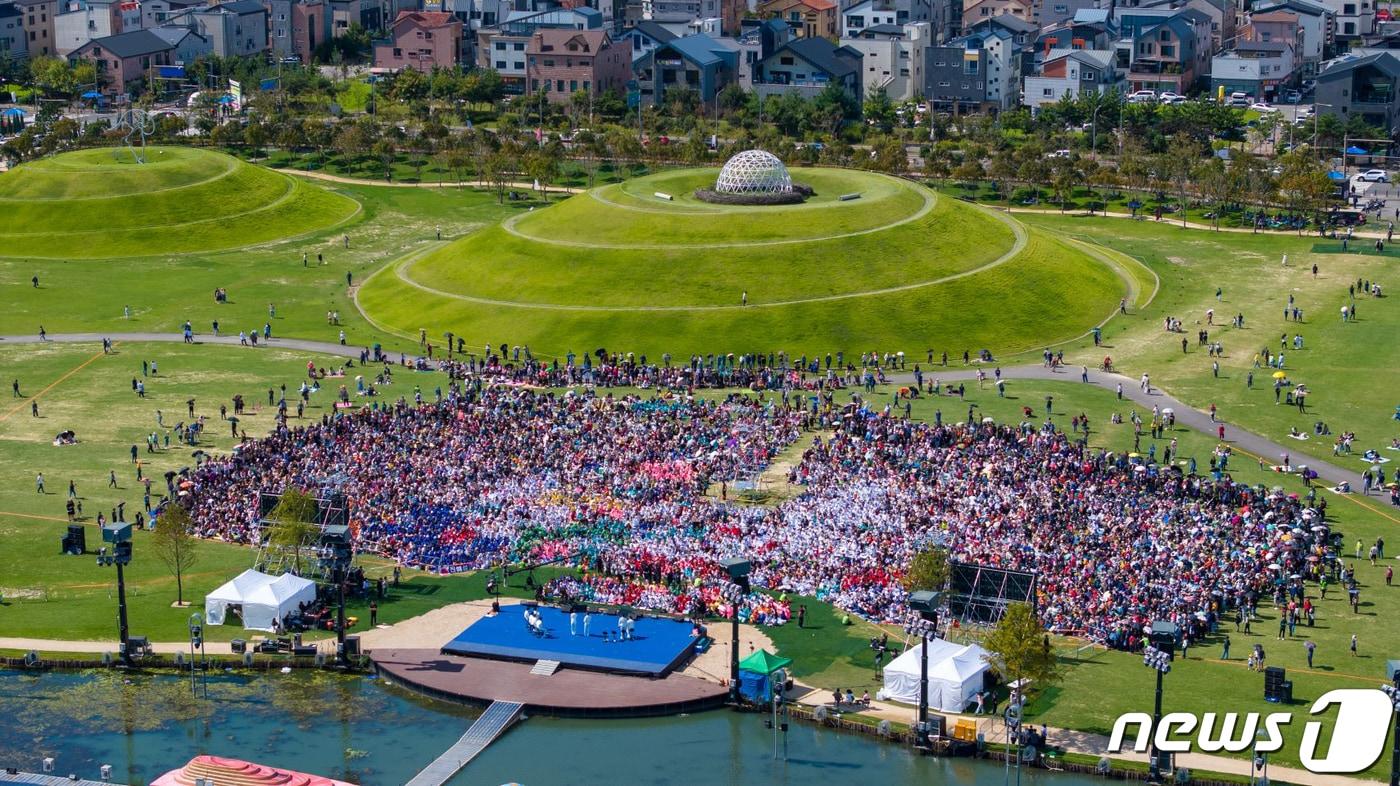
x: 361, y: 730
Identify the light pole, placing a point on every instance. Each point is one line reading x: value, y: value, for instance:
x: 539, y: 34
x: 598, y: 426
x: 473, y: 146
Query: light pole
x: 118, y: 533
x: 1159, y: 661
x: 196, y: 625
x: 738, y: 570
x: 1261, y: 762
x: 925, y: 626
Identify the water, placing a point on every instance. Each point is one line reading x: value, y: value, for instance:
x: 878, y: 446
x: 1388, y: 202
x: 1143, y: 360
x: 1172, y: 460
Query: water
x: 358, y: 729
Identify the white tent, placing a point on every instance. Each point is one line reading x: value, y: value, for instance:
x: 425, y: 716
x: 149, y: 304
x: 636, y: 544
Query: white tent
x: 955, y: 673
x: 258, y: 598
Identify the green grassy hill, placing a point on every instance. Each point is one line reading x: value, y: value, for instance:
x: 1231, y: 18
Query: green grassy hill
x: 625, y: 267
x: 102, y: 203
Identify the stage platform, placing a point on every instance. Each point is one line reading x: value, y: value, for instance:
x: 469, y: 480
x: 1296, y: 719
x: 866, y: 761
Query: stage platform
x: 657, y: 645
x: 568, y: 692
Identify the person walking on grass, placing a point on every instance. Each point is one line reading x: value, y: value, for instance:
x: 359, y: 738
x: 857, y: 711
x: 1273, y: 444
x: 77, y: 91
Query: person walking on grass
x: 1311, y: 647
x: 1353, y: 645
x: 39, y: 484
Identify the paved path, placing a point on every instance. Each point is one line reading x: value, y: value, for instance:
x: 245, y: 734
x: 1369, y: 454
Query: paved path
x: 356, y: 181
x: 1365, y: 234
x: 1257, y: 446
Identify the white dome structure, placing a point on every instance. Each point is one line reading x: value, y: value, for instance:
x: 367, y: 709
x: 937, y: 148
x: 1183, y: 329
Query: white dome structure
x: 753, y: 172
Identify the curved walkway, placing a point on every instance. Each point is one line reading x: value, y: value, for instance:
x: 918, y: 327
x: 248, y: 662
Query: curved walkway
x: 358, y: 181
x: 930, y: 199
x: 400, y: 270
x: 1254, y: 444
x: 1186, y: 224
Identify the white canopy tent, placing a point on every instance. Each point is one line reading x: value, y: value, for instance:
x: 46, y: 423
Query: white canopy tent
x: 956, y: 673
x: 258, y: 598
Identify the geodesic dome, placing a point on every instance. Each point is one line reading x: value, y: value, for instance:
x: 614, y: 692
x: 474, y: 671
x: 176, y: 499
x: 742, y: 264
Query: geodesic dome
x: 753, y: 172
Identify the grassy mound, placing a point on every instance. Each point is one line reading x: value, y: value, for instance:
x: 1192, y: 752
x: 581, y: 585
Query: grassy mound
x: 101, y: 203
x: 626, y: 267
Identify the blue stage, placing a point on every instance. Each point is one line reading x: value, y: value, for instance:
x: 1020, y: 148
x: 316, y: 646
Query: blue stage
x: 657, y: 645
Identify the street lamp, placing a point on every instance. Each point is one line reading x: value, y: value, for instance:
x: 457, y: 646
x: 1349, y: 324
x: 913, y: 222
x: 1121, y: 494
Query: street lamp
x: 738, y: 570
x: 118, y: 533
x: 196, y: 625
x: 1160, y: 661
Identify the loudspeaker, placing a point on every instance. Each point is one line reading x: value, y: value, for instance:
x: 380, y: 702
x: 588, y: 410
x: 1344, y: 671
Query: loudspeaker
x: 238, y: 646
x: 77, y: 536
x: 1274, y: 683
x: 304, y: 652
x: 352, y: 646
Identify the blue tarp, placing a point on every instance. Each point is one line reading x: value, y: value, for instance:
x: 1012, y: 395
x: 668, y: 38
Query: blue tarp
x: 92, y: 94
x: 1335, y: 175
x: 1355, y: 151
x: 268, y: 84
x: 171, y: 72
x: 754, y: 686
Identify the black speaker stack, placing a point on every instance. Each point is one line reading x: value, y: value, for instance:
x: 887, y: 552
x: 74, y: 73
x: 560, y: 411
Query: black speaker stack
x: 75, y: 542
x: 1276, y: 688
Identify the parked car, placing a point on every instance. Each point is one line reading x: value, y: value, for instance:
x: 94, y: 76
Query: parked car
x: 1374, y: 176
x: 1260, y: 106
x: 1240, y: 100
x: 1292, y: 96
x: 1168, y: 97
x: 1143, y: 97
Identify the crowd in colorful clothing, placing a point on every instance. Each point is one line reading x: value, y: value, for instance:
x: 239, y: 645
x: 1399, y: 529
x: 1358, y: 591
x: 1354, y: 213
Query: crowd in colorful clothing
x: 625, y: 489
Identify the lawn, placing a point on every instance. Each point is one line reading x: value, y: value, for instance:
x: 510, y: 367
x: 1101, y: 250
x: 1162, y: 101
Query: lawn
x: 183, y: 201
x: 79, y: 388
x: 1352, y: 369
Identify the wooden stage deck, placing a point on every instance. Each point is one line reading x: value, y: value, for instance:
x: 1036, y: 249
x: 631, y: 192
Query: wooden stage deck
x: 567, y: 692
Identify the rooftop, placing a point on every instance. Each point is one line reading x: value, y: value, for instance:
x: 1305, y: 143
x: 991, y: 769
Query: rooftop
x: 133, y: 44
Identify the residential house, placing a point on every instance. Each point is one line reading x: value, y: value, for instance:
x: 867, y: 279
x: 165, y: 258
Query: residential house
x: 806, y: 66
x: 867, y: 13
x: 1366, y: 87
x: 237, y: 28
x: 1072, y: 73
x: 892, y: 58
x: 422, y: 40
x: 809, y: 18
x: 1354, y: 18
x: 975, y: 11
x: 94, y: 19
x: 1165, y: 50
x: 502, y: 47
x: 40, y: 38
x: 13, y: 46
x: 1317, y: 24
x: 155, y: 13
x: 125, y: 60
x: 696, y: 62
x: 1224, y: 16
x: 297, y: 27
x: 1261, y: 69
x: 1073, y: 35
x: 1022, y: 33
x: 1054, y: 12
x: 756, y: 40
x: 565, y: 62
x: 977, y: 72
x: 647, y: 35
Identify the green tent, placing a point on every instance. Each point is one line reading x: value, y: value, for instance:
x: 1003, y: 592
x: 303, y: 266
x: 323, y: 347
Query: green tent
x: 764, y: 662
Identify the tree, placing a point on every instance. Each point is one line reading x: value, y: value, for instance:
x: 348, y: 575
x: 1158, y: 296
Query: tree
x: 175, y: 544
x: 1019, y: 648
x: 1177, y: 164
x: 879, y: 110
x: 928, y: 570
x: 386, y: 152
x: 53, y: 75
x: 293, y: 524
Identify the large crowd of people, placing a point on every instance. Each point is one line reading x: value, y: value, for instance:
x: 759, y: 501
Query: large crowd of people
x: 625, y: 488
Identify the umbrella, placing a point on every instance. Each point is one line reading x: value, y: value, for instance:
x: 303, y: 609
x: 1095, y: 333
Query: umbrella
x: 226, y: 99
x: 92, y: 94
x: 13, y: 111
x: 1355, y: 151
x: 1279, y: 375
